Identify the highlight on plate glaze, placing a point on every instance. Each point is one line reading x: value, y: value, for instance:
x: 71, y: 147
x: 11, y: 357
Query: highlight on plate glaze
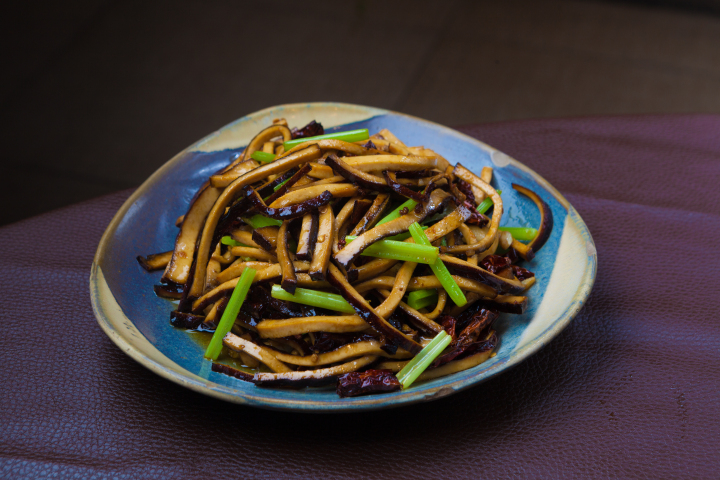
x: 138, y: 321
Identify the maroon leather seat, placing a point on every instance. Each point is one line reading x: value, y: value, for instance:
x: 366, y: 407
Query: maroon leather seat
x: 630, y: 389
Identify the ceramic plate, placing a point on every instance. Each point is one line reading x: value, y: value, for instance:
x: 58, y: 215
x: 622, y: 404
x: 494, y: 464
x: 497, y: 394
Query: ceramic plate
x: 138, y: 321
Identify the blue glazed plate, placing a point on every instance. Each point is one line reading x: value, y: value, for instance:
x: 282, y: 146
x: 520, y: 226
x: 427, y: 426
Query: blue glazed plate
x: 138, y: 321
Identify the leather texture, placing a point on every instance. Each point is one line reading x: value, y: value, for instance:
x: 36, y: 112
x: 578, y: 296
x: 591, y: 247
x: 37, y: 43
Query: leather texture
x: 630, y: 389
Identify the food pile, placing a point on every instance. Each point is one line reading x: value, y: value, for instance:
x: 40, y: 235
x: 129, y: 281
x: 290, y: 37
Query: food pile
x: 346, y: 258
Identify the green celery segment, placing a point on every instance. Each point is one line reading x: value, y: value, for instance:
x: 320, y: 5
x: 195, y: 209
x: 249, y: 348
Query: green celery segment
x: 439, y: 268
x: 230, y: 314
x: 313, y: 298
x: 403, y: 251
x: 422, y: 298
x: 264, y: 157
x: 521, y: 233
x: 486, y: 204
x: 259, y: 221
x: 412, y: 370
x: 347, y: 136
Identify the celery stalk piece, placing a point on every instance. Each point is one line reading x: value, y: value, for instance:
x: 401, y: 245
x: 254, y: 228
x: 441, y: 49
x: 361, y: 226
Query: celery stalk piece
x: 347, y: 136
x: 263, y: 157
x: 439, y: 268
x: 394, y: 250
x: 258, y: 221
x: 230, y: 314
x: 227, y: 240
x: 422, y: 298
x: 313, y: 298
x: 486, y: 204
x: 521, y: 233
x: 412, y: 370
x: 410, y: 204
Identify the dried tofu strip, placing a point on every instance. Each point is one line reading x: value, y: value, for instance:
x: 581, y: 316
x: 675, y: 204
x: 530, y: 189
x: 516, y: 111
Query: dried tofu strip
x: 484, y: 243
x: 320, y: 171
x: 266, y: 237
x: 313, y: 377
x: 307, y: 193
x: 228, y: 195
x: 420, y: 320
x: 442, y: 301
x: 178, y: 269
x: 308, y: 236
x: 427, y: 282
x: 236, y: 269
x: 289, y: 278
x: 393, y: 162
x: 341, y: 354
x: 222, y: 180
x: 311, y: 183
x: 470, y: 239
x: 263, y: 354
x: 212, y: 315
x: 301, y: 325
x: 257, y: 253
x: 402, y: 280
x: 245, y: 238
x: 213, y: 269
x: 273, y: 131
x: 323, y: 243
x: 395, y: 145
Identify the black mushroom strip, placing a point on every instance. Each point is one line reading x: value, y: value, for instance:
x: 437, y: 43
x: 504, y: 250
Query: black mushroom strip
x: 366, y: 312
x: 546, y: 223
x: 356, y: 176
x: 289, y: 212
x: 289, y: 279
x: 351, y: 251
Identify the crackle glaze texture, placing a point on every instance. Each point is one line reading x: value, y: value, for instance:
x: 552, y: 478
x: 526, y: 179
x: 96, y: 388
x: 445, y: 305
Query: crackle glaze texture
x: 628, y: 389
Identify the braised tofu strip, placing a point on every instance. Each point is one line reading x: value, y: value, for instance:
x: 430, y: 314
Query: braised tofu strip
x: 347, y: 256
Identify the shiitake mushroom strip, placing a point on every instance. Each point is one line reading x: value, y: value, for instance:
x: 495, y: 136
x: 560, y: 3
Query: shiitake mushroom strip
x: 289, y: 279
x: 312, y: 378
x: 308, y: 236
x: 156, y: 261
x: 546, y: 224
x: 168, y: 291
x: 367, y: 163
x: 351, y: 251
x: 473, y: 272
x: 228, y: 195
x: 289, y: 183
x: 365, y: 180
x: 293, y: 211
x: 372, y: 215
x: 362, y: 307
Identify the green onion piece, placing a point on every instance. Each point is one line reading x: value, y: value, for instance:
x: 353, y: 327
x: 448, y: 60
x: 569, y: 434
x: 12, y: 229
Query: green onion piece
x: 521, y: 233
x: 227, y: 240
x: 279, y: 186
x: 410, y: 204
x: 412, y: 370
x: 230, y: 314
x: 348, y: 136
x: 258, y: 221
x: 439, y: 268
x: 405, y: 252
x: 422, y: 298
x: 314, y: 298
x: 486, y: 204
x: 443, y: 242
x: 264, y: 157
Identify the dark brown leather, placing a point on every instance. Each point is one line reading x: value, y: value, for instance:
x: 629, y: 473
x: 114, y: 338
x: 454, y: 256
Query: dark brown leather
x: 630, y: 389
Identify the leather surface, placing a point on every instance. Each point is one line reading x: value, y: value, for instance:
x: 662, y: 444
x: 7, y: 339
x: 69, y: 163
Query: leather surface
x: 630, y: 389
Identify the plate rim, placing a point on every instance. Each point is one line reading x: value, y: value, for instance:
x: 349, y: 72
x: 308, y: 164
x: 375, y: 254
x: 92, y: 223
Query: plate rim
x: 200, y: 385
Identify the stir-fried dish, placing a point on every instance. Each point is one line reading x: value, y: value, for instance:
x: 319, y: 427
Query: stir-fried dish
x: 346, y: 258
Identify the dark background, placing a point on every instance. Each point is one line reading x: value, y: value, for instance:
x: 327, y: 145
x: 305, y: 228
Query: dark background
x: 95, y: 95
